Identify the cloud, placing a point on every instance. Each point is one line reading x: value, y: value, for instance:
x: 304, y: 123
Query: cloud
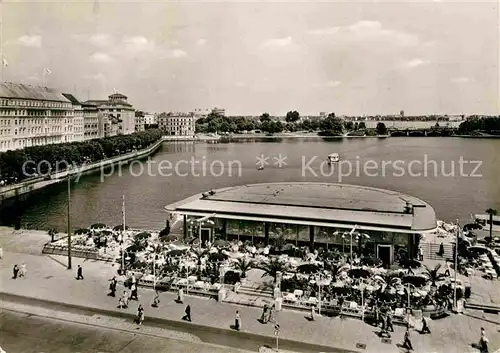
x: 178, y: 53
x: 367, y: 30
x: 460, y: 80
x: 416, y: 62
x: 240, y: 84
x: 277, y: 42
x: 201, y: 42
x: 100, y: 58
x: 34, y: 41
x: 101, y: 40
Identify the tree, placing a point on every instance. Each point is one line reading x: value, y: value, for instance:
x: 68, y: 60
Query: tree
x: 331, y: 126
x: 272, y: 268
x: 492, y: 212
x: 292, y: 117
x: 361, y: 125
x: 244, y: 265
x: 381, y: 129
x: 265, y: 117
x: 349, y: 125
x: 434, y: 274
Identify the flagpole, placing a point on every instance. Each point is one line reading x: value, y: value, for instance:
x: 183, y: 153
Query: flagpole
x: 44, y: 79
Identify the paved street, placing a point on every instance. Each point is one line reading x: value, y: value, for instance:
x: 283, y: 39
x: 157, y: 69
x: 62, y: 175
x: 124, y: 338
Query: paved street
x: 452, y: 334
x: 20, y: 333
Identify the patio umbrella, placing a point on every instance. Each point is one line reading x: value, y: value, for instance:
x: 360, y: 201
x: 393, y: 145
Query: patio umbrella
x: 120, y: 227
x: 143, y: 235
x: 98, y: 226
x: 170, y: 238
x: 308, y: 268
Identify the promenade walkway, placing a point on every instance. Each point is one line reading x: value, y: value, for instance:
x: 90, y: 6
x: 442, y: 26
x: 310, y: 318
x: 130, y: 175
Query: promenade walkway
x: 48, y: 279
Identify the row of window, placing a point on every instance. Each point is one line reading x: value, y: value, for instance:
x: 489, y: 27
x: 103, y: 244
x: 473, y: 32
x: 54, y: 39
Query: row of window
x: 33, y: 103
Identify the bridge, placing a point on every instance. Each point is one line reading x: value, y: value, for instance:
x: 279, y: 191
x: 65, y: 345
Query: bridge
x: 420, y: 132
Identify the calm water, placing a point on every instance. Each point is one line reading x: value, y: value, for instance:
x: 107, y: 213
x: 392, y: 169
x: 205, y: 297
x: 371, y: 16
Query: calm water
x: 452, y: 197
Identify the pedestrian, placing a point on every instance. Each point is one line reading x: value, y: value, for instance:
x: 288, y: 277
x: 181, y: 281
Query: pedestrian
x: 187, y: 317
x: 156, y: 300
x: 483, y: 342
x: 441, y: 250
x: 15, y: 271
x: 180, y: 296
x: 425, y: 327
x: 263, y: 318
x: 79, y: 273
x: 389, y: 323
x: 123, y: 301
x: 140, y: 314
x: 237, y: 321
x: 407, y: 342
x: 133, y: 290
x: 446, y: 269
x: 312, y: 312
x: 270, y: 317
x: 112, y: 287
x: 22, y: 270
x: 1, y: 253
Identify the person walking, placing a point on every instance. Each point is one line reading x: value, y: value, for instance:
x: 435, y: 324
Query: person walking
x: 140, y: 315
x: 425, y: 327
x: 441, y: 250
x: 270, y: 316
x: 112, y: 287
x: 446, y: 269
x: 15, y: 271
x: 79, y: 273
x: 407, y: 342
x: 133, y: 294
x: 263, y: 318
x: 187, y: 317
x: 23, y: 270
x: 389, y: 323
x: 483, y: 342
x: 180, y: 296
x: 312, y: 312
x: 237, y: 321
x: 156, y: 300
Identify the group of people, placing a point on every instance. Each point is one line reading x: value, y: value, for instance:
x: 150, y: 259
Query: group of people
x: 267, y: 314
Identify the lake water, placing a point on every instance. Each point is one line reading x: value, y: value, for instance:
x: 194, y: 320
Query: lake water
x: 392, y: 163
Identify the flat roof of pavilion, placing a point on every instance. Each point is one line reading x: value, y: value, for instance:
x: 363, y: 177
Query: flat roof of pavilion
x: 320, y: 204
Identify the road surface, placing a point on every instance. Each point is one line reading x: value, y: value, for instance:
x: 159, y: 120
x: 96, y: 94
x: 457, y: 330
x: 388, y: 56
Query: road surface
x: 22, y: 333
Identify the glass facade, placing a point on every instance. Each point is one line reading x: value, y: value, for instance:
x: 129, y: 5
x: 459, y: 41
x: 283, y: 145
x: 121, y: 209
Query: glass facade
x: 365, y: 245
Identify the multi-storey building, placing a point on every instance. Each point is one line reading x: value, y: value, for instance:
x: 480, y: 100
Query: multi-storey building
x: 117, y: 116
x: 150, y: 119
x: 219, y: 111
x: 33, y: 116
x: 139, y: 120
x: 78, y: 121
x: 90, y: 121
x: 178, y: 124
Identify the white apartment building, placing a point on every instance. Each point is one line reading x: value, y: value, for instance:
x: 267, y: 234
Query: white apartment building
x: 139, y: 121
x: 90, y: 121
x: 219, y: 111
x: 78, y: 120
x: 33, y: 116
x: 150, y: 119
x: 116, y: 115
x: 178, y: 124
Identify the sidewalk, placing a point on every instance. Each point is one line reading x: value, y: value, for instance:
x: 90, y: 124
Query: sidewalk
x: 49, y: 279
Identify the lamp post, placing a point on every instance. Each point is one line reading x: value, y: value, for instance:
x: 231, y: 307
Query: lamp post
x: 69, y: 221
x: 456, y: 268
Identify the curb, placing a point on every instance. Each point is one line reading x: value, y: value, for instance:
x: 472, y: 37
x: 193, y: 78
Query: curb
x: 182, y: 326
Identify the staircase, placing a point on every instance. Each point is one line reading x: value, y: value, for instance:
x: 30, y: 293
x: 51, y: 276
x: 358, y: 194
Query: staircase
x: 430, y: 251
x: 256, y: 289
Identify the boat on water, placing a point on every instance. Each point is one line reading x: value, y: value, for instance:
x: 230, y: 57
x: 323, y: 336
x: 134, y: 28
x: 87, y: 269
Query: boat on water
x: 333, y: 158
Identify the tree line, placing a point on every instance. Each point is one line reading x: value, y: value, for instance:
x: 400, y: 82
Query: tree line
x: 490, y: 125
x: 327, y: 126
x: 58, y: 156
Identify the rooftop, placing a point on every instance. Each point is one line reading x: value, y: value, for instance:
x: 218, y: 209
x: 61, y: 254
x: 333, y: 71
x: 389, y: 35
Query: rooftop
x: 17, y: 90
x: 71, y: 98
x: 308, y: 203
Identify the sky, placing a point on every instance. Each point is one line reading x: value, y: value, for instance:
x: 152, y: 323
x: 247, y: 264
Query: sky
x: 352, y: 58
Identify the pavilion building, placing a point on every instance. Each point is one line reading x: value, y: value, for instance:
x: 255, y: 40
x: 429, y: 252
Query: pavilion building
x: 386, y: 223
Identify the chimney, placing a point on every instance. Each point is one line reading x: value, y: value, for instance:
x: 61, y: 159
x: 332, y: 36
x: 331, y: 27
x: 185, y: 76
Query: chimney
x: 408, y: 207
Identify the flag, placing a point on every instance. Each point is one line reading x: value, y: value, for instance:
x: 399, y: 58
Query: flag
x: 4, y: 62
x: 47, y: 71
